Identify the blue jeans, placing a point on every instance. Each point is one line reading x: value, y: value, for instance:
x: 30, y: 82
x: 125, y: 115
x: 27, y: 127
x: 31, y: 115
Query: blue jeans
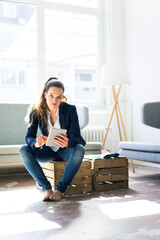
x: 31, y: 157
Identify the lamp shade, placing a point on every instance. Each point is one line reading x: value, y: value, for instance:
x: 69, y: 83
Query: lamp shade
x: 114, y: 74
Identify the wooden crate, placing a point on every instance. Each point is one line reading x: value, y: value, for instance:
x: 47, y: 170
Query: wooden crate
x: 82, y: 181
x: 110, y: 173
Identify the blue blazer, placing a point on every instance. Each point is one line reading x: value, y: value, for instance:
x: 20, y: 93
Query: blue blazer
x: 68, y: 120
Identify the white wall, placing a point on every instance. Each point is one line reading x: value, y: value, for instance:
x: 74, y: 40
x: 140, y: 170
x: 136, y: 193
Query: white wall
x: 113, y: 53
x: 142, y: 20
x: 139, y: 42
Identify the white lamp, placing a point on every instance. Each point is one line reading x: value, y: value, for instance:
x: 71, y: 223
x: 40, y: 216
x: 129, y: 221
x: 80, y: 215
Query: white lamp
x: 112, y: 75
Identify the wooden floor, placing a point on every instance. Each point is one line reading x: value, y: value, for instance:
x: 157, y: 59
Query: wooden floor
x: 128, y: 214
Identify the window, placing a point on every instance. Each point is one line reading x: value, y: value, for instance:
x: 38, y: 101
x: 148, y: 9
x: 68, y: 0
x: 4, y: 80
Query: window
x: 21, y: 78
x: 18, y: 52
x: 9, y: 10
x: 83, y: 77
x: 84, y: 3
x: 71, y: 52
x: 84, y: 85
x: 62, y: 43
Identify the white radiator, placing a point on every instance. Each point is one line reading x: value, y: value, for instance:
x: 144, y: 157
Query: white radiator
x: 93, y: 133
x: 96, y: 134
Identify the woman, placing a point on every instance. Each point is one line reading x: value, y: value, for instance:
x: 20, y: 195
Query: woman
x: 53, y: 111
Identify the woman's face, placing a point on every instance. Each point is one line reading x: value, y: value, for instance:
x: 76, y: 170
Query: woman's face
x: 53, y: 98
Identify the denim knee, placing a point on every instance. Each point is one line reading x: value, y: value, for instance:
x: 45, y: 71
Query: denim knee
x: 23, y: 149
x: 80, y: 149
x: 24, y: 152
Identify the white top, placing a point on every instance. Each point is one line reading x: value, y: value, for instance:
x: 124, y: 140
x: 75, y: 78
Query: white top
x: 56, y: 125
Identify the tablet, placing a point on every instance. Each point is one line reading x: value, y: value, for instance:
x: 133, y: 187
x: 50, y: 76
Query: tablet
x: 52, y: 134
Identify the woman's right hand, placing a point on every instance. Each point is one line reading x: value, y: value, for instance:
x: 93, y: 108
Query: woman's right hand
x: 40, y: 141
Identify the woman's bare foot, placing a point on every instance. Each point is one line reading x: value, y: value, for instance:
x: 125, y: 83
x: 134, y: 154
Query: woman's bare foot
x: 48, y: 195
x: 57, y: 195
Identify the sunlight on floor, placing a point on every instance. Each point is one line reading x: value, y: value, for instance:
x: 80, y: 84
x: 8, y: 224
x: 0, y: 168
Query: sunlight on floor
x: 25, y: 222
x: 103, y: 198
x: 20, y: 212
x: 130, y: 209
x: 13, y: 201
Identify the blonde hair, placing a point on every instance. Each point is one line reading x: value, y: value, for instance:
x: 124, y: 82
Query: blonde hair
x: 40, y: 108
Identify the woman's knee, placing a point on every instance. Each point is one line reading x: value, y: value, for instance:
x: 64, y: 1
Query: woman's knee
x: 23, y: 149
x: 26, y: 154
x: 80, y: 149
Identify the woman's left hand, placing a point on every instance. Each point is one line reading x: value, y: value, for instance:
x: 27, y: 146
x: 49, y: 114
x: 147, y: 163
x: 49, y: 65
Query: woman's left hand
x: 62, y: 140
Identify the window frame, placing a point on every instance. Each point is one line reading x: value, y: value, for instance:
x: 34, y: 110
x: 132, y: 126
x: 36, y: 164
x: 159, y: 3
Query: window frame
x: 41, y: 7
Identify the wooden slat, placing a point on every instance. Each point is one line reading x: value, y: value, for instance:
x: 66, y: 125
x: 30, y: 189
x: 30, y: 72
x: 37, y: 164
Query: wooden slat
x: 111, y: 170
x: 77, y: 181
x: 86, y: 164
x: 75, y: 190
x: 110, y: 163
x: 79, y: 189
x: 110, y: 177
x: 58, y: 174
x: 84, y: 171
x: 80, y: 180
x: 49, y: 173
x: 54, y: 165
x: 109, y: 186
x: 60, y: 165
